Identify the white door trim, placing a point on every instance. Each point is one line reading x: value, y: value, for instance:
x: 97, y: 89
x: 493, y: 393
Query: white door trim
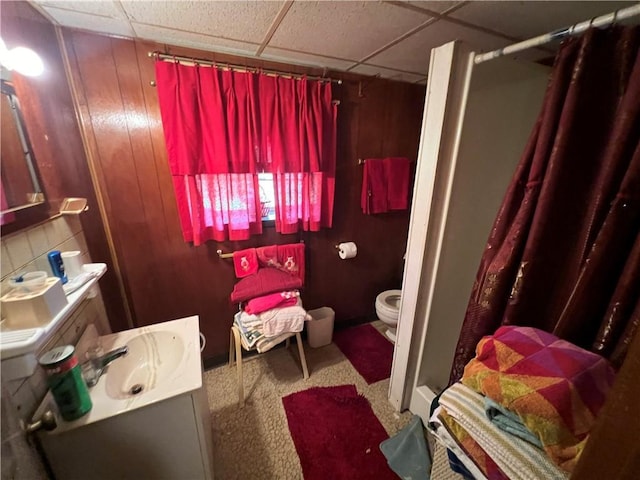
x: 449, y: 65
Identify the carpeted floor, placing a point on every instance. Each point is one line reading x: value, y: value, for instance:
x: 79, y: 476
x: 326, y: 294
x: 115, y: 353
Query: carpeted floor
x: 254, y: 442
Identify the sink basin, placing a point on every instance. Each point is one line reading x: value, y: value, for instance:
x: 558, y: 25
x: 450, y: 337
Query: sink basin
x: 163, y: 362
x: 151, y: 360
x: 161, y: 432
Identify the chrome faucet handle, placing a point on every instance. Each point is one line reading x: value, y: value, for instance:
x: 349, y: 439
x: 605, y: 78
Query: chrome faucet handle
x: 97, y: 366
x: 91, y: 373
x: 91, y: 370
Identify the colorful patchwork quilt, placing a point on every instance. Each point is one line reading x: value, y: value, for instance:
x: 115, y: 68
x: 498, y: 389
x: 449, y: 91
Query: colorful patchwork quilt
x: 555, y: 387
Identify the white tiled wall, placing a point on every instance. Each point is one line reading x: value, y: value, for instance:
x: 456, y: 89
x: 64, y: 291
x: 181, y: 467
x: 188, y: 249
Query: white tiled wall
x: 26, y: 251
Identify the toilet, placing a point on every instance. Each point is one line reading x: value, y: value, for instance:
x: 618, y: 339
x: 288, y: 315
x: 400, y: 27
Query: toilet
x: 387, y: 306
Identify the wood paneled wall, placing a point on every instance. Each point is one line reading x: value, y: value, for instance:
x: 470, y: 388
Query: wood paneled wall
x: 52, y: 126
x: 166, y: 278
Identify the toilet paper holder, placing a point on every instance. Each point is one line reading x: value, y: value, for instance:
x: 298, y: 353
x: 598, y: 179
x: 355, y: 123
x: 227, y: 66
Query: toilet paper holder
x: 347, y: 250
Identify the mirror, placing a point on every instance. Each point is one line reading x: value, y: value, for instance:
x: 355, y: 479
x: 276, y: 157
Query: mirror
x: 19, y: 186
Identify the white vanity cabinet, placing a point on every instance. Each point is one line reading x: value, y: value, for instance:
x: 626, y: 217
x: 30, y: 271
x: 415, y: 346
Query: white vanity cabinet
x: 160, y: 432
x: 167, y: 440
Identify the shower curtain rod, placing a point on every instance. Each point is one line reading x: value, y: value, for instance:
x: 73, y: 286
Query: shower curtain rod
x: 165, y: 57
x: 560, y: 34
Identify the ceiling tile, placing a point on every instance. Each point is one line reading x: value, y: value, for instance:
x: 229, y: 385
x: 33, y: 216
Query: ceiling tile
x: 530, y: 19
x: 105, y: 8
x: 300, y: 58
x: 95, y: 23
x: 372, y: 70
x: 245, y: 21
x: 412, y: 54
x: 349, y: 30
x: 193, y: 40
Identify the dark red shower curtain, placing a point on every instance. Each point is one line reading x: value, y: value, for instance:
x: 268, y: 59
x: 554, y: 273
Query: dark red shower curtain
x: 563, y: 253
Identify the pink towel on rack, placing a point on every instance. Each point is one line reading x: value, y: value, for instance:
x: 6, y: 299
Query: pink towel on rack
x: 291, y: 257
x: 373, y: 198
x: 245, y: 262
x: 397, y: 170
x: 268, y: 256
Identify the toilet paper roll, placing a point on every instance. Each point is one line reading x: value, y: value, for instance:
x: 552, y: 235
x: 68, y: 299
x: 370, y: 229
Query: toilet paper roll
x: 72, y: 263
x: 347, y: 250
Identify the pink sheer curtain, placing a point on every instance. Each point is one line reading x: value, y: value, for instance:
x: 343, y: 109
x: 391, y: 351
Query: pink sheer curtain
x: 222, y: 128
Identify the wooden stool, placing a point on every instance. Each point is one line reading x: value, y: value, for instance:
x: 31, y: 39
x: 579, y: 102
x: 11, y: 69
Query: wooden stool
x: 236, y: 345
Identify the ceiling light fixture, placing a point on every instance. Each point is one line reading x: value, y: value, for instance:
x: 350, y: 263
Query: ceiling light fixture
x: 21, y: 59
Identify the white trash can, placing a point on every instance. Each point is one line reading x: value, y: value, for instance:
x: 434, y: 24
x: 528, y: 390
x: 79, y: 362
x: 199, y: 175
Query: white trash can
x: 320, y: 329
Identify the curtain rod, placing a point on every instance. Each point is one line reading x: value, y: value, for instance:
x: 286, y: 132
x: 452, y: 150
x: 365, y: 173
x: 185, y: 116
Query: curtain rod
x: 560, y: 34
x: 362, y: 161
x: 165, y: 57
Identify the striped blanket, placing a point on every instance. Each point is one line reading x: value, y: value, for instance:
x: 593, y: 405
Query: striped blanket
x: 516, y: 458
x: 254, y: 338
x: 555, y: 387
x: 463, y: 446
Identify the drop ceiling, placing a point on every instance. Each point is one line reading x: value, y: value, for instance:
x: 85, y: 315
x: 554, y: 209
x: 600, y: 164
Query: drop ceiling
x: 391, y: 39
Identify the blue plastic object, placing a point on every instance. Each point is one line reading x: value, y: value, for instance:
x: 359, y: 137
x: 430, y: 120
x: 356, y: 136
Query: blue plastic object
x: 57, y: 267
x: 407, y: 453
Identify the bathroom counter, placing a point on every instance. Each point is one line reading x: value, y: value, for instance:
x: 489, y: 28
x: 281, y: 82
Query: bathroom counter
x: 162, y: 431
x: 20, y: 342
x: 183, y: 378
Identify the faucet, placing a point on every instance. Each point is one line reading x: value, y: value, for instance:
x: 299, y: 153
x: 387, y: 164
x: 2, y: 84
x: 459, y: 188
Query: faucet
x: 98, y: 366
x: 104, y: 361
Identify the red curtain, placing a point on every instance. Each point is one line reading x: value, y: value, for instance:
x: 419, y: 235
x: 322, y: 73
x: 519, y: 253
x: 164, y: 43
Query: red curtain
x: 222, y: 128
x: 299, y: 137
x: 561, y: 254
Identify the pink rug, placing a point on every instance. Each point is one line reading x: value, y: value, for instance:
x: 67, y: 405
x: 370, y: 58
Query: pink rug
x: 369, y: 352
x: 336, y: 434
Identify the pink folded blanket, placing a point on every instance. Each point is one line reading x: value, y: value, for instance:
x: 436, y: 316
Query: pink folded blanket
x: 267, y: 302
x: 263, y: 282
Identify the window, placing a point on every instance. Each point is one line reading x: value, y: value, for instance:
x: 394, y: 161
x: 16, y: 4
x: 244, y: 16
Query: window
x: 267, y: 197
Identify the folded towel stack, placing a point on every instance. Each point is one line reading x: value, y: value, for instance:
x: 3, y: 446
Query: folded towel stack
x: 268, y: 319
x: 525, y: 406
x: 269, y: 278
